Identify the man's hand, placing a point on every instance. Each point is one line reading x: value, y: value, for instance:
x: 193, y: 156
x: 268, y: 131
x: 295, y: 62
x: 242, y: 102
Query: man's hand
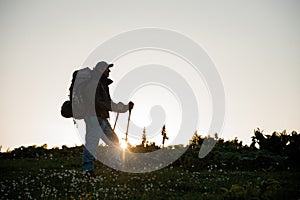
x: 121, y: 107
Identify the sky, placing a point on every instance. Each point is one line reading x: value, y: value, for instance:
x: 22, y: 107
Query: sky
x: 254, y: 45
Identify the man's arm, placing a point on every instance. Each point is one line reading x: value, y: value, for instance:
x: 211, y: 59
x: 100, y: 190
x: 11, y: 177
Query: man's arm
x: 112, y: 106
x: 106, y: 105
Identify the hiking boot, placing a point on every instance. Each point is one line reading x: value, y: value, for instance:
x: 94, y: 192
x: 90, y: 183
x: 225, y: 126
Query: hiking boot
x: 89, y: 174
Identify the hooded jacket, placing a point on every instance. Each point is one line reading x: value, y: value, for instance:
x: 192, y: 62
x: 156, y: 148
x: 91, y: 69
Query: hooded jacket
x: 101, y: 102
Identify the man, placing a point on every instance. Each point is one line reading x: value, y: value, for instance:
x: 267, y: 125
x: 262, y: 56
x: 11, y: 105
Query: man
x: 102, y: 104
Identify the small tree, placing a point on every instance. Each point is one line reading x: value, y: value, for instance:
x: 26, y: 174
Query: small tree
x: 196, y: 140
x: 164, y: 135
x: 144, y: 137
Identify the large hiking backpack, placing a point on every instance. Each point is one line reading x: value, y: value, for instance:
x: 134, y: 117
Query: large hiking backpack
x: 75, y: 107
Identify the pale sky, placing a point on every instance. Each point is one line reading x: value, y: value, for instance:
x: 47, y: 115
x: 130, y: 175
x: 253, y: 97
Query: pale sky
x: 255, y: 46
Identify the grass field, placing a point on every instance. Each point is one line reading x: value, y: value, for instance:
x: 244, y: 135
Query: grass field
x: 61, y: 178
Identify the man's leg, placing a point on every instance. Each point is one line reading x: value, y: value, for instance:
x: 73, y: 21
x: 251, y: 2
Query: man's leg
x: 92, y: 137
x: 108, y: 132
x: 112, y: 140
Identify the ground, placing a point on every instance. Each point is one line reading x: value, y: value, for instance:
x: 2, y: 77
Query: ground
x: 61, y: 178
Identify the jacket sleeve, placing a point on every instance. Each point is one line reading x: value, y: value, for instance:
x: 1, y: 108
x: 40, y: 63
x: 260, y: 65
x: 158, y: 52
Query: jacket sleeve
x: 112, y: 106
x: 103, y: 103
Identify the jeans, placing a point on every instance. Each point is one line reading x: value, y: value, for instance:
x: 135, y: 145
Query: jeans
x: 93, y: 134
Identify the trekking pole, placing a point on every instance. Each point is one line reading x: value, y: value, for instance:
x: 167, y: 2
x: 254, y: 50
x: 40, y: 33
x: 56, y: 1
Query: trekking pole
x: 116, y: 121
x: 126, y: 138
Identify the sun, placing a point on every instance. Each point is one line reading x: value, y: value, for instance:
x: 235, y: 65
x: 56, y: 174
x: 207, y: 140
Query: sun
x: 123, y: 144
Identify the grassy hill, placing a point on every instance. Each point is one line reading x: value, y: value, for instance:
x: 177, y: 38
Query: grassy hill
x: 231, y: 171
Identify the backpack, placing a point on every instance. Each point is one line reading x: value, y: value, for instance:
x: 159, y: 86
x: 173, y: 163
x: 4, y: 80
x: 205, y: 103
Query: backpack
x: 76, y: 102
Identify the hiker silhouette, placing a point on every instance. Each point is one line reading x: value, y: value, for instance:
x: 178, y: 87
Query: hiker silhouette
x: 97, y: 102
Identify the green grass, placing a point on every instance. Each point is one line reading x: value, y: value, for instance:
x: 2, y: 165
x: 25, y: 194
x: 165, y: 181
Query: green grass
x: 61, y: 178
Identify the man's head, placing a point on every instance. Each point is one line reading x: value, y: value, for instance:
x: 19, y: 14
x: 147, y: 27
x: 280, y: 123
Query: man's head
x: 103, y: 68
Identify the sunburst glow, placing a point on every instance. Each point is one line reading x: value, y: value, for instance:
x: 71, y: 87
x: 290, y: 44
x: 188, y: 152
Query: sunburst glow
x: 123, y: 144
